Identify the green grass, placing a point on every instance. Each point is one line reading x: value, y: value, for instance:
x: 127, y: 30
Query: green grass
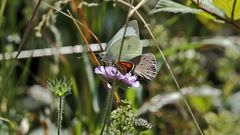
x: 202, y: 54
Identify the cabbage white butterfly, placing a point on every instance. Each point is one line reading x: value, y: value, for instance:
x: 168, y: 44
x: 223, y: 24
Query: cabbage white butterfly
x: 132, y: 59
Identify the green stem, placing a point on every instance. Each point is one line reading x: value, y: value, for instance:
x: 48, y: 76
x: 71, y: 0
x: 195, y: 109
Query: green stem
x: 109, y: 108
x: 3, y: 4
x: 60, y: 111
x: 233, y: 10
x: 125, y: 31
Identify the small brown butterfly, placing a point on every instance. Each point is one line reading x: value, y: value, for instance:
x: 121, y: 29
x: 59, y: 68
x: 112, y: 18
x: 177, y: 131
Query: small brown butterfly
x: 143, y: 65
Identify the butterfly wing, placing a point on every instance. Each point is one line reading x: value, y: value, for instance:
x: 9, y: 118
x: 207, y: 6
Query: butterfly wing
x: 132, y: 46
x: 145, y: 66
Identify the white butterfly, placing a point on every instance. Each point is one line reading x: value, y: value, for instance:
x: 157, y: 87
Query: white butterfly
x: 132, y: 59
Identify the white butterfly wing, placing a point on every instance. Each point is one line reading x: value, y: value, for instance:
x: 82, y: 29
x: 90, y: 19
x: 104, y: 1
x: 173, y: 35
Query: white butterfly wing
x: 132, y: 46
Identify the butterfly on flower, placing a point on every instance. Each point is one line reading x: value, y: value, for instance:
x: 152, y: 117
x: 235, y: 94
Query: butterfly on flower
x: 132, y: 59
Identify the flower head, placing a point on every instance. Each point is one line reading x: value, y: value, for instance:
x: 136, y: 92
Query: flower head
x: 60, y: 88
x: 110, y: 73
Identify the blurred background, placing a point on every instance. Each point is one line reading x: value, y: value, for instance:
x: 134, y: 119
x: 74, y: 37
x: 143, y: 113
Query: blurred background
x: 203, y: 53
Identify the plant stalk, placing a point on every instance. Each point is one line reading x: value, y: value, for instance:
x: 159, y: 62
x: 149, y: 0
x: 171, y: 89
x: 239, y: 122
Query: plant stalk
x: 109, y: 108
x: 60, y: 111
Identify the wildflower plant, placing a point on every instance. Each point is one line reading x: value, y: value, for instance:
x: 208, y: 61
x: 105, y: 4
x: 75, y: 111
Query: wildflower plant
x: 113, y: 77
x: 60, y: 88
x: 124, y: 121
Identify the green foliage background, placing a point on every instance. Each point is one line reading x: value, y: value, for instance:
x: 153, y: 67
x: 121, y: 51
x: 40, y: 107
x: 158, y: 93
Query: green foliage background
x: 200, y: 39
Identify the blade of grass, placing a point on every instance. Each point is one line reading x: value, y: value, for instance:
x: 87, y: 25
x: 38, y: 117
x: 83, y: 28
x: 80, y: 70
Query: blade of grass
x: 23, y: 41
x: 11, y: 124
x: 125, y: 30
x: 23, y: 77
x: 140, y: 4
x: 109, y: 102
x: 3, y: 4
x: 84, y: 39
x: 89, y: 68
x: 85, y: 27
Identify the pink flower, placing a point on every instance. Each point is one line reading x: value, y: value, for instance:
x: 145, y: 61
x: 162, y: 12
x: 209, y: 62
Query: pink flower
x: 110, y: 73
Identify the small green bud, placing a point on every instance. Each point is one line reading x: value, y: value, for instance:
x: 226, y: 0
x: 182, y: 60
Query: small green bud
x: 60, y: 88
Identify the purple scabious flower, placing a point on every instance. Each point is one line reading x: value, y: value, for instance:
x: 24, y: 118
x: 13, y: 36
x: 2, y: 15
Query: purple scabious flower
x: 110, y: 73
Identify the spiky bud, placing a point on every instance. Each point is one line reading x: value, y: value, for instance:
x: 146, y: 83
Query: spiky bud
x: 141, y: 124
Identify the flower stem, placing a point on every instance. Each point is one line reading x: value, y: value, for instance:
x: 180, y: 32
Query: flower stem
x: 60, y: 111
x: 108, y: 109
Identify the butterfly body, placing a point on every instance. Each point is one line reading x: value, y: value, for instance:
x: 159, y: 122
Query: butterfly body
x: 125, y: 66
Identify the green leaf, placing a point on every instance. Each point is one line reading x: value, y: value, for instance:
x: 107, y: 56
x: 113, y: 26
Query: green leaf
x: 202, y: 104
x: 131, y: 96
x: 91, y: 82
x: 206, y: 15
x: 171, y: 6
x: 231, y: 8
x: 209, y: 6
